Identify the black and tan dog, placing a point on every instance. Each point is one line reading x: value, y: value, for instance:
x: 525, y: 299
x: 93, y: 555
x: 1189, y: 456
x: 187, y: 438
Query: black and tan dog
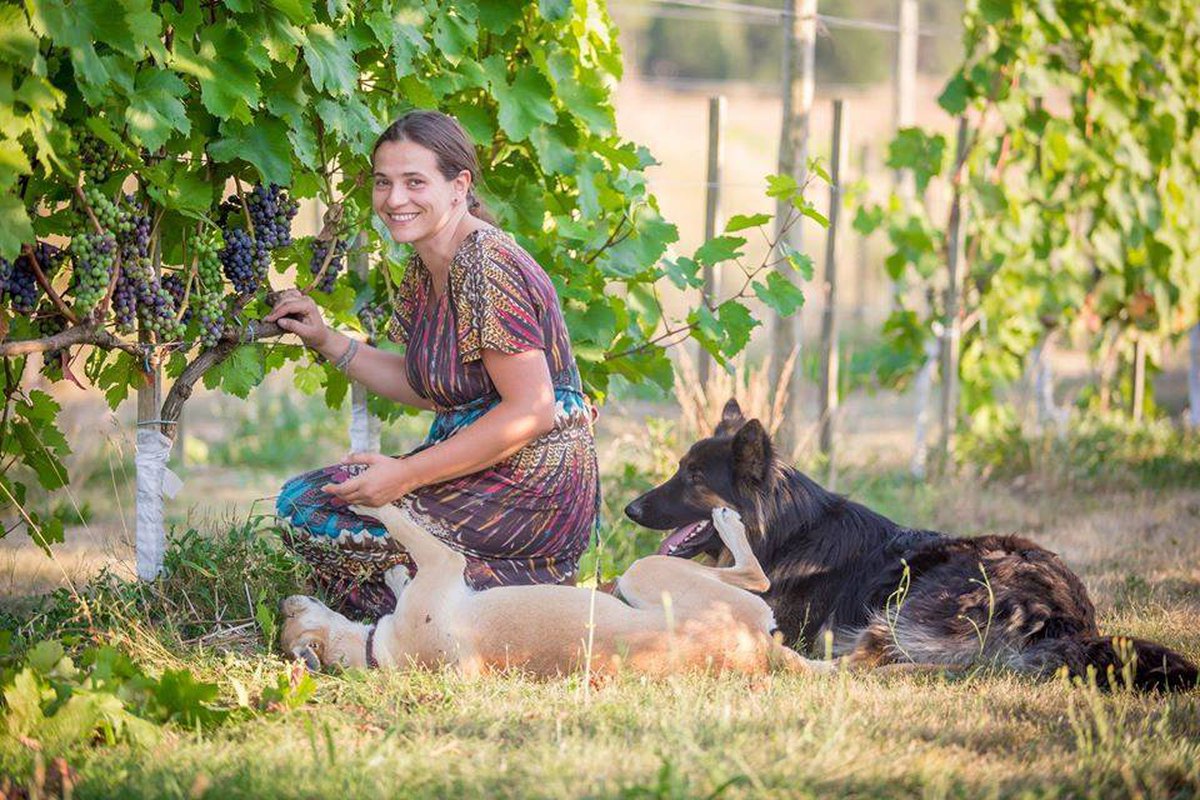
x: 677, y: 615
x: 883, y: 593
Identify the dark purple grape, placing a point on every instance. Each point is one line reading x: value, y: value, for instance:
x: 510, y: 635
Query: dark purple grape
x: 240, y: 259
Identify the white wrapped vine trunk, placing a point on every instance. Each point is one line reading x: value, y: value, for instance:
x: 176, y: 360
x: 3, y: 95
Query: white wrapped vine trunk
x: 364, y: 426
x: 153, y: 481
x: 1194, y: 378
x: 1048, y: 413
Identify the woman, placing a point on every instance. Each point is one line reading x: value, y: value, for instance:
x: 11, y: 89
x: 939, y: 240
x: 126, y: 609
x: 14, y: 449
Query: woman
x: 508, y: 472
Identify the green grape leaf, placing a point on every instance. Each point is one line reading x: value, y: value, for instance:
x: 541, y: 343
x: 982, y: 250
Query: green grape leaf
x: 330, y: 60
x: 719, y: 249
x: 15, y: 227
x: 239, y: 373
x: 783, y: 296
x: 740, y: 222
x: 524, y: 103
x: 263, y: 144
x: 156, y: 109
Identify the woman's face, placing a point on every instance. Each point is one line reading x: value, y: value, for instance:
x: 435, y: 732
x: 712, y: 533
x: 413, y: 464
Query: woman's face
x: 411, y: 196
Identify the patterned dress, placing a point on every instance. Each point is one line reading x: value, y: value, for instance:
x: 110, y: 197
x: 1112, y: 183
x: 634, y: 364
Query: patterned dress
x: 526, y: 519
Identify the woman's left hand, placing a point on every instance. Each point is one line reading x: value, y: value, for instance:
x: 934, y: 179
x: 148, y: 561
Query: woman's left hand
x: 387, y: 479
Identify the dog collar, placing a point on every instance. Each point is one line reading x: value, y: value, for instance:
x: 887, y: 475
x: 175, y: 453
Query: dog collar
x: 371, y: 662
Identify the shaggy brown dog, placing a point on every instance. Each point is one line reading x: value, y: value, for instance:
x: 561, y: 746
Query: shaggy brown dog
x: 881, y: 594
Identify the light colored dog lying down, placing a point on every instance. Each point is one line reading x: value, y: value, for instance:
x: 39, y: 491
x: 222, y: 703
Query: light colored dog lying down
x: 677, y: 615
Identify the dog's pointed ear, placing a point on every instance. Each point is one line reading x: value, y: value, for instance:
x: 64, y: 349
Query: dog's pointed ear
x: 752, y: 456
x: 731, y: 419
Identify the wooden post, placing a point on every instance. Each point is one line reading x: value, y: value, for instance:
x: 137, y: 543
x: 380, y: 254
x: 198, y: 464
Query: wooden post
x: 1194, y: 378
x: 1139, y: 379
x: 152, y: 451
x: 712, y: 204
x: 829, y: 326
x: 364, y: 426
x: 905, y: 86
x: 799, y: 50
x: 904, y: 103
x: 861, y: 295
x: 952, y: 323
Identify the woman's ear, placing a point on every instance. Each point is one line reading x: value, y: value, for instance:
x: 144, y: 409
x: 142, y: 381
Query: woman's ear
x: 752, y: 456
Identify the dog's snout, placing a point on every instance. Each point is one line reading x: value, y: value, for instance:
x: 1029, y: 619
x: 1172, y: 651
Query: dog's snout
x: 634, y: 510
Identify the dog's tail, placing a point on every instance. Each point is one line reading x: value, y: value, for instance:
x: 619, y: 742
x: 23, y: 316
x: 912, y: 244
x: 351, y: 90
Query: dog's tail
x: 1115, y: 662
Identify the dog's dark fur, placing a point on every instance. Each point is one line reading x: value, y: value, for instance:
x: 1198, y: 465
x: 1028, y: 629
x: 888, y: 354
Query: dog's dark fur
x: 888, y: 594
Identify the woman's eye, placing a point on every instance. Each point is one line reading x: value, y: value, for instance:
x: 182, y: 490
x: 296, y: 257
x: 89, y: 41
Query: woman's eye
x: 414, y: 184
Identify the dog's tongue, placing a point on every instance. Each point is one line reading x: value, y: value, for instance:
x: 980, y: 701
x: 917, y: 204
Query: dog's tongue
x: 678, y: 537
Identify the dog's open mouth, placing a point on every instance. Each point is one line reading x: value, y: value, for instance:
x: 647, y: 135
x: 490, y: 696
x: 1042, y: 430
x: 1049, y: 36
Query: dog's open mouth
x: 687, y: 541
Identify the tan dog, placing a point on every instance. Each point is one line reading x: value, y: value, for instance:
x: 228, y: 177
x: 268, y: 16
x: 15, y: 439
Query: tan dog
x: 677, y: 615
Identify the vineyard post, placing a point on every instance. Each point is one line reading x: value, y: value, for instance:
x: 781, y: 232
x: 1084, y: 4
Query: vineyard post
x: 152, y: 451
x: 829, y: 326
x: 950, y: 336
x: 712, y: 209
x: 861, y: 250
x: 364, y: 426
x: 1139, y: 379
x: 1194, y: 377
x: 904, y: 100
x: 799, y: 54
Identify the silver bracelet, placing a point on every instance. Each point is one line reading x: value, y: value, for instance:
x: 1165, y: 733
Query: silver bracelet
x: 344, y: 362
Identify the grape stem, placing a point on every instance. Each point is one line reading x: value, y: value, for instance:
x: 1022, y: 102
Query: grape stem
x: 44, y: 282
x: 187, y: 287
x: 91, y: 215
x: 245, y: 208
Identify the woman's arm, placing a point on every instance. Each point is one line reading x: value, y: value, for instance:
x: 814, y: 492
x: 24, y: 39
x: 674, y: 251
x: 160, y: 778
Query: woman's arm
x: 383, y: 373
x: 380, y: 371
x: 525, y: 411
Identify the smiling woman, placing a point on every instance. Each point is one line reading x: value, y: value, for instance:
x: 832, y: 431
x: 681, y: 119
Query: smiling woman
x: 508, y: 472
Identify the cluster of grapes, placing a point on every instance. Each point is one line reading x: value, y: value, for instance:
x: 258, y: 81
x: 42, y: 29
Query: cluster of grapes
x: 272, y: 212
x: 95, y: 254
x: 320, y: 251
x: 176, y: 287
x: 99, y: 160
x: 206, y: 298
x: 17, y: 281
x: 244, y: 261
x: 247, y: 258
x: 107, y: 214
x: 374, y: 318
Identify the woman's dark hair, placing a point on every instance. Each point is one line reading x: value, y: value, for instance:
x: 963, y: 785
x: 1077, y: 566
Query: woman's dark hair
x: 454, y: 149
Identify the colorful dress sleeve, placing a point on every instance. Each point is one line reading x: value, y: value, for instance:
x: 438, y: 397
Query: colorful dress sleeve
x: 495, y: 308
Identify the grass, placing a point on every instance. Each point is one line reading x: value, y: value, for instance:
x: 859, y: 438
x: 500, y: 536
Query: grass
x: 431, y: 734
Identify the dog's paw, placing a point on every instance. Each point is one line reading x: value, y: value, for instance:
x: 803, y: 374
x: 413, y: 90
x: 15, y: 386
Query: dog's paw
x: 728, y: 521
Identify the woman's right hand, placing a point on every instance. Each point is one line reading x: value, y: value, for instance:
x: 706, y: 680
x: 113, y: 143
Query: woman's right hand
x: 298, y: 313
